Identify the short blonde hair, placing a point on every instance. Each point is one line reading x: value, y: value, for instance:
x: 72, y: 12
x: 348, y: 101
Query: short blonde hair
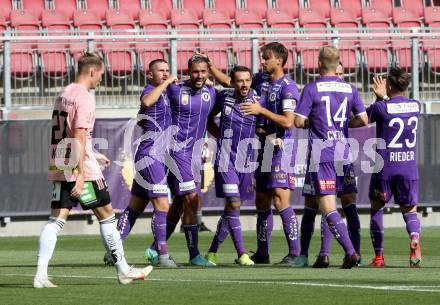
x: 329, y: 58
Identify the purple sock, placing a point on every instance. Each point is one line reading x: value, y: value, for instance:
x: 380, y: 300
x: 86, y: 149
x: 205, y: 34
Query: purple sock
x: 412, y: 224
x: 307, y: 228
x: 170, y: 230
x: 326, y: 238
x: 233, y: 218
x: 126, y: 221
x: 353, y: 226
x: 158, y: 226
x: 290, y: 226
x: 339, y: 230
x: 376, y: 231
x: 192, y: 240
x: 220, y: 234
x: 264, y: 231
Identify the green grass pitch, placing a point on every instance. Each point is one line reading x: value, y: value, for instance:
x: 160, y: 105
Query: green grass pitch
x: 82, y: 278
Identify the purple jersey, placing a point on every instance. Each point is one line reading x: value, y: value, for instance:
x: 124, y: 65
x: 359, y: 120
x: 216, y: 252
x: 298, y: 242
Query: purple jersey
x: 157, y: 121
x: 396, y: 123
x: 281, y: 96
x: 190, y: 110
x: 327, y: 103
x: 237, y: 127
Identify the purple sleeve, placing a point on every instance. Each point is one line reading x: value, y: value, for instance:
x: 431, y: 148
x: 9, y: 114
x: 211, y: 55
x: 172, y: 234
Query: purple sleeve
x: 289, y: 97
x: 304, y: 106
x: 256, y: 80
x: 358, y: 105
x: 373, y: 112
x: 146, y: 90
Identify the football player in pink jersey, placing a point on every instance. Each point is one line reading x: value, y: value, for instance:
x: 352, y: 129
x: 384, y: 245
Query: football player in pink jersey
x: 76, y: 175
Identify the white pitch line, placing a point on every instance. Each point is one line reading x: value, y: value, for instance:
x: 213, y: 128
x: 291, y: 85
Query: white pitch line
x: 387, y: 287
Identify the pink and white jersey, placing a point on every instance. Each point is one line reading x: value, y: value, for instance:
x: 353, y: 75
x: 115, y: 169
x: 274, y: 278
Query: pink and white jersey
x: 74, y: 108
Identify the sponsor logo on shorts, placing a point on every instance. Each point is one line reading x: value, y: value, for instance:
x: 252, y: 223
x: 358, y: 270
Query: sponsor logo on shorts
x: 292, y: 181
x: 160, y: 189
x: 380, y: 195
x: 186, y: 186
x: 327, y: 185
x: 230, y: 188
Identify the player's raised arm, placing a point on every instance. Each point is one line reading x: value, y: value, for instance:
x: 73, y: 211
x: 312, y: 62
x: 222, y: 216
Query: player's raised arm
x: 153, y: 96
x: 219, y: 76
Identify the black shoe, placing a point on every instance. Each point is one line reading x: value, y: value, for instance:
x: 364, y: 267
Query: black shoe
x: 287, y: 260
x: 203, y: 227
x: 259, y: 259
x: 350, y: 261
x: 322, y: 261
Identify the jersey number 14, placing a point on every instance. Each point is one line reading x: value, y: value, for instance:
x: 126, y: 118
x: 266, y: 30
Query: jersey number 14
x: 340, y: 115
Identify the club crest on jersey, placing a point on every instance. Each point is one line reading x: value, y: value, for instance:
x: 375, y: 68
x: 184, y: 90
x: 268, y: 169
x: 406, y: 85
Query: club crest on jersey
x: 185, y: 99
x: 277, y: 168
x: 228, y: 110
x: 272, y: 97
x: 206, y: 97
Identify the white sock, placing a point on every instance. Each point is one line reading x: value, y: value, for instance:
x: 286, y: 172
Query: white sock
x: 48, y: 240
x: 113, y: 242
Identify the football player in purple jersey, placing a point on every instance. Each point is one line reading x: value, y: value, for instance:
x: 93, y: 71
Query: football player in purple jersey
x: 348, y: 201
x: 327, y: 104
x: 275, y: 177
x: 396, y: 117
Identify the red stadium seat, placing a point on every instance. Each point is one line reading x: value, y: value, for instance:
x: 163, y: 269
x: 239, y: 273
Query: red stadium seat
x: 345, y: 22
x: 34, y: 6
x: 118, y: 56
x: 119, y: 20
x: 152, y: 23
x: 405, y: 18
x: 68, y: 7
x: 322, y: 6
x: 217, y: 50
x: 163, y: 7
x: 24, y: 23
x: 98, y: 6
x: 146, y: 54
x: 230, y: 6
x: 54, y: 60
x: 182, y: 19
x: 432, y: 16
x: 355, y: 6
x: 22, y: 61
x: 87, y: 20
x: 281, y: 23
x: 415, y: 6
x: 3, y: 27
x: 197, y: 6
x: 278, y: 19
x: 131, y: 7
x: 6, y: 6
x: 402, y: 53
x: 248, y: 19
x: 377, y: 57
x: 375, y: 49
x: 258, y: 6
x: 290, y: 7
x: 386, y: 7
x: 213, y: 20
x: 54, y: 20
x: 119, y: 59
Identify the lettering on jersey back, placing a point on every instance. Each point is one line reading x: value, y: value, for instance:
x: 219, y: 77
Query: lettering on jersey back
x: 333, y: 87
x: 403, y: 108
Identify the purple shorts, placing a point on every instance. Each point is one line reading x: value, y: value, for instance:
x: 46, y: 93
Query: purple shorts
x: 183, y: 182
x: 348, y: 182
x: 405, y: 191
x: 277, y: 177
x: 150, y: 180
x: 233, y: 184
